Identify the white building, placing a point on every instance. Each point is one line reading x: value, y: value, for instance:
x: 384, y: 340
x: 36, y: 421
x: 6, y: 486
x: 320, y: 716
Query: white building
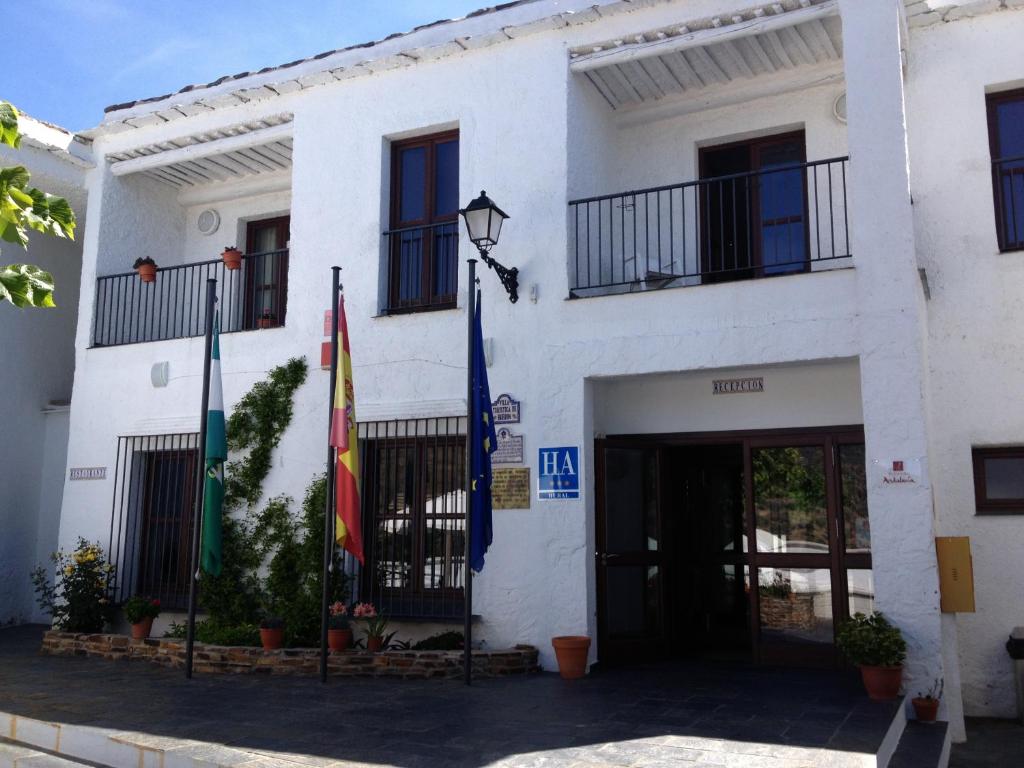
x: 655, y: 158
x: 37, y: 372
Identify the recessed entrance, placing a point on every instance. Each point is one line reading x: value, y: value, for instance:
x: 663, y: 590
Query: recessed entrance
x: 676, y: 516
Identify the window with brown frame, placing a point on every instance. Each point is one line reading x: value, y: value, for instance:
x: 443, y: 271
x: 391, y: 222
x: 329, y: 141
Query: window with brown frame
x: 413, y: 508
x: 1006, y: 144
x: 423, y: 239
x: 266, y: 272
x: 999, y: 480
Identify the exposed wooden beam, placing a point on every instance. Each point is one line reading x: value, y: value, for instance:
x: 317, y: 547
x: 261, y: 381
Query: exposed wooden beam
x: 761, y: 54
x: 800, y: 45
x: 824, y: 39
x: 709, y: 64
x: 780, y: 49
x: 205, y: 149
x: 737, y: 57
x: 606, y: 94
x: 678, y: 60
x: 703, y: 37
x: 736, y: 92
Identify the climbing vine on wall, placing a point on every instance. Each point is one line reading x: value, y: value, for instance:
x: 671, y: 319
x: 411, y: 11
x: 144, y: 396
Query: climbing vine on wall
x: 271, y: 558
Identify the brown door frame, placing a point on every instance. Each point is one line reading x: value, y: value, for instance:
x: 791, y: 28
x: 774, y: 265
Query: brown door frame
x: 428, y: 298
x: 753, y: 187
x: 283, y: 225
x: 836, y: 560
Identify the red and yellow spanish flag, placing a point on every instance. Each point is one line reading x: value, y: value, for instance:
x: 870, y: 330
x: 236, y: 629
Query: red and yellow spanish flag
x: 344, y: 437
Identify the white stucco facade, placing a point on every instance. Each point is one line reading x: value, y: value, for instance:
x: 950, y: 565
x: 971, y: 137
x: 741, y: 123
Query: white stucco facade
x: 37, y: 374
x: 856, y: 343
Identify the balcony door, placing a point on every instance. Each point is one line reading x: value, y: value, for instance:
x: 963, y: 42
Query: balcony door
x: 753, y: 201
x: 266, y: 272
x: 423, y: 239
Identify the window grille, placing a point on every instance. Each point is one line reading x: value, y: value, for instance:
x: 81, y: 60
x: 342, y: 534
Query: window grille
x: 151, y: 517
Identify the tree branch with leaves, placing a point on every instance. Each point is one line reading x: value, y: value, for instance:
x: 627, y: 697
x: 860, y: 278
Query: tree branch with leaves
x: 24, y: 208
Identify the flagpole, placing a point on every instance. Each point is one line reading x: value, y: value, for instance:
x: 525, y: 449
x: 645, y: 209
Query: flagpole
x: 329, y: 491
x: 197, y: 516
x: 467, y: 628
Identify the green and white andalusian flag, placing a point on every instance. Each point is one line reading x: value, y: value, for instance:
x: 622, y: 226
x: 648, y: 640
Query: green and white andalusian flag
x: 216, y: 454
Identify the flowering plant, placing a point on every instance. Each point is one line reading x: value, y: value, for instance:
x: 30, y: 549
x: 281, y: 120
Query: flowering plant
x: 77, y: 599
x: 139, y: 608
x: 375, y: 622
x: 339, y: 616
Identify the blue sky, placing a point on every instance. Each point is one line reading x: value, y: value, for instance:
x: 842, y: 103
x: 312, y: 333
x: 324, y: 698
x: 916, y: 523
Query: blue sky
x: 65, y: 60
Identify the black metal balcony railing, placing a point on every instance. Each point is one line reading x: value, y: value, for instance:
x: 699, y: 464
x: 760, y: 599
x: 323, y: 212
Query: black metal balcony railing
x: 770, y: 222
x: 423, y: 267
x: 1008, y: 184
x: 129, y: 311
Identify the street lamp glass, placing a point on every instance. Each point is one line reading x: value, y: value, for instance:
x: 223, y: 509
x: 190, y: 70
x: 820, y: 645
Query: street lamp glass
x: 483, y: 221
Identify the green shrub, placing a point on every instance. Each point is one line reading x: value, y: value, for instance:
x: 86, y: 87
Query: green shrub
x: 871, y: 641
x: 210, y: 632
x: 77, y: 600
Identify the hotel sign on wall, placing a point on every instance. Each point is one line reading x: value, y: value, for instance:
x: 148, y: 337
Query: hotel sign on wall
x: 737, y: 386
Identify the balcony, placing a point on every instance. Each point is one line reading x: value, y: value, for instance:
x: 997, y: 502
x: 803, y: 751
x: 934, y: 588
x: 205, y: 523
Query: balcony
x: 423, y: 267
x: 781, y: 220
x: 129, y: 311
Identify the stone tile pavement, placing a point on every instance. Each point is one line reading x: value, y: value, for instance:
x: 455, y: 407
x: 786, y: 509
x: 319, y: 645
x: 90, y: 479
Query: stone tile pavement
x: 990, y: 744
x: 665, y: 715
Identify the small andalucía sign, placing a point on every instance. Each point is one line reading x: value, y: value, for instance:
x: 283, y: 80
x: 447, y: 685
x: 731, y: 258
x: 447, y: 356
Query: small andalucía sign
x: 505, y: 410
x: 87, y: 473
x: 737, y: 386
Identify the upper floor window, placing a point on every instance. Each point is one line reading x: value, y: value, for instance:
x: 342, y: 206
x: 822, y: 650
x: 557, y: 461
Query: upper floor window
x: 423, y: 239
x: 266, y: 272
x: 999, y: 480
x: 1006, y: 143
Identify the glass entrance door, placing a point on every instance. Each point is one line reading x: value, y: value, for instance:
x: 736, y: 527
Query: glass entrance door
x: 808, y: 516
x: 629, y: 554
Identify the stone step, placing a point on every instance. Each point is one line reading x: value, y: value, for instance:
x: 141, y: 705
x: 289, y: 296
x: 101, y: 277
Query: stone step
x: 15, y: 755
x: 923, y: 745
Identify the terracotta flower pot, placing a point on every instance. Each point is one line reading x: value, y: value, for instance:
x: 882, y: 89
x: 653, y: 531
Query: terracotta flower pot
x: 141, y: 630
x: 268, y: 321
x: 147, y: 272
x: 882, y: 683
x: 339, y: 639
x: 272, y: 639
x: 232, y: 258
x: 571, y: 652
x: 374, y: 644
x: 926, y: 709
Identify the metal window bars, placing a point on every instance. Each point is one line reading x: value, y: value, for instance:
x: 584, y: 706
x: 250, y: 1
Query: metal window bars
x: 1008, y: 185
x: 413, y: 511
x: 151, y: 516
x: 780, y: 220
x: 423, y: 267
x: 129, y: 311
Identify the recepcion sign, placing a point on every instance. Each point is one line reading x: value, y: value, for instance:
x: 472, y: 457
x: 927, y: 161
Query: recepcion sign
x: 558, y: 475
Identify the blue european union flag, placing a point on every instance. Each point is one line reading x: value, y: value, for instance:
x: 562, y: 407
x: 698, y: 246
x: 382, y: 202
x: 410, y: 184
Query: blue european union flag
x: 482, y: 443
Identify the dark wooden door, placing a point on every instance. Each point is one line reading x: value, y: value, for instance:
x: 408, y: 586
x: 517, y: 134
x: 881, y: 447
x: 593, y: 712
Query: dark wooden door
x: 266, y: 272
x: 630, y: 555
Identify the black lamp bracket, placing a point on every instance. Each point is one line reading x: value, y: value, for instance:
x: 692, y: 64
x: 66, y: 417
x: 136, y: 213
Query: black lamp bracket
x: 509, y: 277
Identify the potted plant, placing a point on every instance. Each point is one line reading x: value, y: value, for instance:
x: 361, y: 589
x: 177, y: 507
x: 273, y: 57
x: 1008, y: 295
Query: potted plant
x: 339, y: 633
x: 272, y: 633
x: 140, y: 612
x: 267, y: 319
x: 878, y: 648
x: 926, y: 707
x: 146, y: 268
x: 571, y: 652
x: 375, y: 622
x: 232, y: 257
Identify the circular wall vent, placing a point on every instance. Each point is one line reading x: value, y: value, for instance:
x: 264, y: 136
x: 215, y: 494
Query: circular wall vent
x: 839, y: 107
x: 208, y: 221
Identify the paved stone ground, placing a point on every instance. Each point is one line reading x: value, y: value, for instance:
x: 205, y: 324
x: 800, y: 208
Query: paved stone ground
x: 652, y: 717
x: 990, y: 744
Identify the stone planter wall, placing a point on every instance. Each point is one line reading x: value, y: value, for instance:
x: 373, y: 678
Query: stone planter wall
x: 216, y: 659
x: 792, y: 612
